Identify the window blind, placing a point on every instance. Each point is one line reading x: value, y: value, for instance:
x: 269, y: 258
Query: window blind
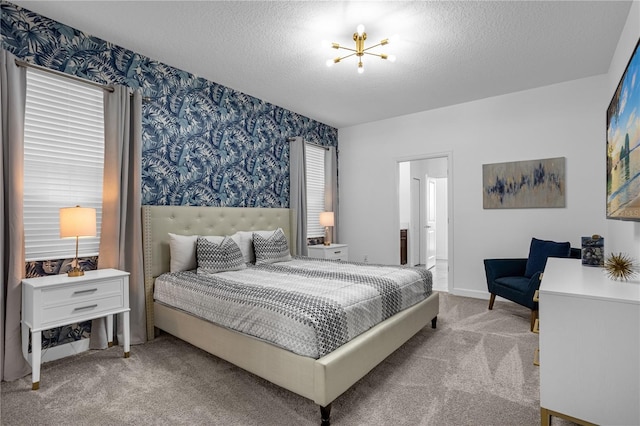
x: 63, y: 162
x: 315, y: 190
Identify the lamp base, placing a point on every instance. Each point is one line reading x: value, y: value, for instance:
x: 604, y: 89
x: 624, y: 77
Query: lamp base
x: 327, y: 236
x: 75, y: 272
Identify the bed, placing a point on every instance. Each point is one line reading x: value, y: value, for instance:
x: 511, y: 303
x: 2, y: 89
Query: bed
x: 321, y: 380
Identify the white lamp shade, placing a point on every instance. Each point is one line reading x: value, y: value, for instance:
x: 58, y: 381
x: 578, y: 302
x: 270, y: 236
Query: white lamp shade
x: 326, y: 218
x: 77, y: 222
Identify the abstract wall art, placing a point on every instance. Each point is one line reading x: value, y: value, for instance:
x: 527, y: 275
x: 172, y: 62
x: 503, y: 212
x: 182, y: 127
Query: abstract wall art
x: 524, y: 184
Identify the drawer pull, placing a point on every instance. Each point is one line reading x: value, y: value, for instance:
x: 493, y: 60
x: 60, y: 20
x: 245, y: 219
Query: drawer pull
x: 86, y: 307
x: 337, y: 252
x: 90, y: 290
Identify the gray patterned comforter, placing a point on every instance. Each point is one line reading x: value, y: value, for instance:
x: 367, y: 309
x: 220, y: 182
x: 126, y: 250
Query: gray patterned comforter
x: 308, y: 306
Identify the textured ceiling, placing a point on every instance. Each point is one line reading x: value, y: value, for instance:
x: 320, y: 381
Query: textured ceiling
x: 448, y: 52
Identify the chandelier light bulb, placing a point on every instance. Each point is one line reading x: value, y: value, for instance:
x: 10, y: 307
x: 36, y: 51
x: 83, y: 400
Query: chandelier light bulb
x: 329, y: 62
x: 360, y: 68
x: 391, y: 58
x: 360, y: 29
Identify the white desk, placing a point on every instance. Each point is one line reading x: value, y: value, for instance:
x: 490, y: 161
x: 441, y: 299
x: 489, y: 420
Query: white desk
x: 589, y: 345
x: 57, y: 300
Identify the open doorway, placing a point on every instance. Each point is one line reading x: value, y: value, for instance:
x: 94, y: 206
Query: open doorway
x: 424, y: 211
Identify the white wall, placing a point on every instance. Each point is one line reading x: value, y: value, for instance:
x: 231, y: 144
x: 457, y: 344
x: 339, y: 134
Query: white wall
x: 623, y: 236
x: 564, y: 120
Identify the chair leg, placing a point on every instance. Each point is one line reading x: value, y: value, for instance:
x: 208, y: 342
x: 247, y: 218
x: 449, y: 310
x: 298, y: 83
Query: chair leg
x: 534, y: 316
x: 491, y: 300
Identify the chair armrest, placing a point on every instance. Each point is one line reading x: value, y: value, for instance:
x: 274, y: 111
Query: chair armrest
x: 497, y: 268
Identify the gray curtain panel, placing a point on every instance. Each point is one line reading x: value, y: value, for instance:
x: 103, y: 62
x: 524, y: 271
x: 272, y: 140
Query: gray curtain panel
x: 298, y: 191
x: 121, y: 233
x: 331, y: 188
x: 13, y: 87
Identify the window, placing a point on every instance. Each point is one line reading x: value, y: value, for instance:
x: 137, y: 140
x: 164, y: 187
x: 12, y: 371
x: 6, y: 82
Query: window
x: 315, y: 190
x: 63, y: 161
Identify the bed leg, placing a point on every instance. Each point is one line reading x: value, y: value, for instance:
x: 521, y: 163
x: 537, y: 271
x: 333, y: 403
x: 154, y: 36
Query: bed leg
x: 325, y: 415
x: 434, y: 321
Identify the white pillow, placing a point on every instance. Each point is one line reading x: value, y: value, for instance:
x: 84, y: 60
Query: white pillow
x: 244, y: 239
x: 182, y: 249
x: 214, y: 258
x: 183, y: 252
x: 271, y: 249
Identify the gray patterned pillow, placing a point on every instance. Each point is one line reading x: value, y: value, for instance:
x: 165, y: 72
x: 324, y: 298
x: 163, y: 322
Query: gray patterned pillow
x: 271, y: 249
x: 213, y: 258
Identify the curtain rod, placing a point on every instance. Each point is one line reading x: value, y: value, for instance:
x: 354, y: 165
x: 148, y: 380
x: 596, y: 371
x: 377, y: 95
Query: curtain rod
x: 62, y: 74
x: 291, y: 139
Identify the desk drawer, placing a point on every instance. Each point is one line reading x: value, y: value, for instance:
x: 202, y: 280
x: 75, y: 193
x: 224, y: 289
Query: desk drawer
x: 76, y: 311
x: 62, y: 295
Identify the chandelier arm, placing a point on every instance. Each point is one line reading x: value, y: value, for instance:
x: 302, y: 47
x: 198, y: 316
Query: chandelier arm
x: 345, y: 57
x: 374, y: 54
x: 371, y: 47
x: 346, y: 48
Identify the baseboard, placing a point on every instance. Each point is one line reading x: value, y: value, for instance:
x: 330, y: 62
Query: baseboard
x: 476, y: 294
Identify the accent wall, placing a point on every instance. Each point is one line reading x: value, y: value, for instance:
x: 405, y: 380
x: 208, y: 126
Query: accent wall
x: 203, y: 143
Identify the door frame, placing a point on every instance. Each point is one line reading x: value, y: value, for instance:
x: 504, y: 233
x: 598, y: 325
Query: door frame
x: 450, y: 243
x: 416, y: 248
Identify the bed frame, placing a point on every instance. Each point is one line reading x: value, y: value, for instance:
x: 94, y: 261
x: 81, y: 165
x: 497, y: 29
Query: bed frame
x: 320, y: 380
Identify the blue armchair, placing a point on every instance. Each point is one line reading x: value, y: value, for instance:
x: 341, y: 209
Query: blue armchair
x: 518, y: 279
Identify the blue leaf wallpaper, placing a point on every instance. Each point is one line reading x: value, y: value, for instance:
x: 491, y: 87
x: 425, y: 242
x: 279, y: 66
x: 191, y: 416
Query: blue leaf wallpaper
x: 203, y: 143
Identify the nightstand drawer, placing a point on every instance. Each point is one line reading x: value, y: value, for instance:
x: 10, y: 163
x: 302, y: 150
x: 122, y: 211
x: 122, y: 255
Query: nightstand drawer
x: 79, y: 293
x: 330, y: 252
x: 337, y: 254
x: 88, y: 308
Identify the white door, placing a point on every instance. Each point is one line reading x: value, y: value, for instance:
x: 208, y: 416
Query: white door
x: 430, y: 227
x: 415, y: 230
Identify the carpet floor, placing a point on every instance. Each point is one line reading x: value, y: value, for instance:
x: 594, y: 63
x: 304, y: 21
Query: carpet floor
x: 475, y: 369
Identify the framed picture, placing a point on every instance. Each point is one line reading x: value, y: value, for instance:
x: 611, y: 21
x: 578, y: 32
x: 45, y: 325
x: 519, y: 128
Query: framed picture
x: 593, y: 251
x: 623, y: 143
x: 524, y: 184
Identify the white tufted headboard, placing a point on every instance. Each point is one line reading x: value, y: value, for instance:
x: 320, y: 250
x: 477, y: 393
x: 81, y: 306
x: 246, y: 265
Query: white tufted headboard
x: 158, y: 221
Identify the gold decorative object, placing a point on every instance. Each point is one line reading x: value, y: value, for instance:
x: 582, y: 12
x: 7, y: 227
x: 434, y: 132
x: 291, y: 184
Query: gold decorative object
x: 359, y: 37
x: 620, y: 267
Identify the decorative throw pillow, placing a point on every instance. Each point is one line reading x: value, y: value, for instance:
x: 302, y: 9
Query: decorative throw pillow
x: 272, y: 249
x: 182, y: 249
x: 213, y: 257
x: 540, y: 250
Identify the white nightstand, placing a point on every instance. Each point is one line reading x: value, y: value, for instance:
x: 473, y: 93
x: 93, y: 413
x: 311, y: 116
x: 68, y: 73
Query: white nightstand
x: 333, y: 252
x: 57, y: 300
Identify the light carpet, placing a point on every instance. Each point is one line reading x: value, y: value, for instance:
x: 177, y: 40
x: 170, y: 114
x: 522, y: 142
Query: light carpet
x: 475, y: 369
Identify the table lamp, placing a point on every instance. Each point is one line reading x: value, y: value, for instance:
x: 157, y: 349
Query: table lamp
x: 76, y: 222
x: 326, y: 220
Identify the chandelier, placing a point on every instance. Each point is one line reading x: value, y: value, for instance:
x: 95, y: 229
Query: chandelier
x: 359, y: 37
